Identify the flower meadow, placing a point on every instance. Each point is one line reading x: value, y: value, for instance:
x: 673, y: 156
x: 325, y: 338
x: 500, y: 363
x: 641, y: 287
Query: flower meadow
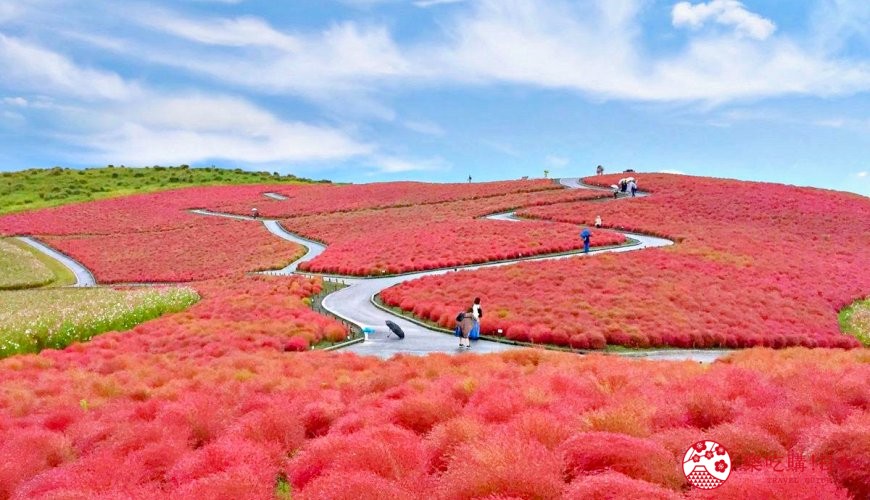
x: 199, y: 421
x: 324, y: 199
x: 214, y: 247
x: 164, y: 210
x: 856, y: 321
x: 154, y: 238
x: 21, y: 269
x: 400, y: 240
x: 32, y: 320
x: 227, y: 399
x: 755, y: 265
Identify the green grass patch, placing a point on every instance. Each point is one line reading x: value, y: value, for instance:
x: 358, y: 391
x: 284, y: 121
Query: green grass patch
x: 855, y: 320
x: 283, y: 489
x: 40, y: 188
x: 20, y: 268
x: 33, y: 320
x: 62, y: 274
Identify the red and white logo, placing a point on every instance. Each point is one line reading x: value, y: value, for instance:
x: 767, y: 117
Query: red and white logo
x: 707, y: 465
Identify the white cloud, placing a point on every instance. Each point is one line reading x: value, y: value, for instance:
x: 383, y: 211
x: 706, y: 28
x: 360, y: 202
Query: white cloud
x: 596, y: 48
x: 236, y: 32
x: 831, y: 123
x: 837, y: 22
x: 593, y: 47
x: 431, y: 3
x: 725, y: 12
x: 557, y: 161
x: 11, y: 117
x: 424, y: 127
x: 343, y: 59
x: 198, y: 127
x: 671, y: 171
x: 394, y: 165
x: 35, y: 69
x: 862, y: 174
x: 9, y: 11
x: 16, y: 101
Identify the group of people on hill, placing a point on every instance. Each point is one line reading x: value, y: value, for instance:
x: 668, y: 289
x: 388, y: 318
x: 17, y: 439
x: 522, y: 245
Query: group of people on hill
x: 625, y: 185
x: 468, y: 324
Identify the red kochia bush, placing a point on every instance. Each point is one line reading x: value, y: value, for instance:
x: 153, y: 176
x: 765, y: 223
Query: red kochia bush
x: 400, y: 240
x: 845, y: 451
x: 775, y: 486
x: 387, y: 451
x: 591, y: 452
x: 181, y: 423
x: 495, y: 466
x: 354, y: 485
x: 608, y: 485
x: 753, y: 266
x: 210, y: 248
x: 25, y: 453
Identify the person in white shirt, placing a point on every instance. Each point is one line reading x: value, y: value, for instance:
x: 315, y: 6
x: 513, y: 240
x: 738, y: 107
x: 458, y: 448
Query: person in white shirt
x: 597, y: 221
x: 477, y: 313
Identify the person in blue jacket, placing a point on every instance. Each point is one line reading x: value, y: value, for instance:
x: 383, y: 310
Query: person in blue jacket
x: 586, y: 235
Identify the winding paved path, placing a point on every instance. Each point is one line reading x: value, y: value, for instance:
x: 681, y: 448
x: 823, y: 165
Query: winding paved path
x: 84, y: 278
x: 354, y: 303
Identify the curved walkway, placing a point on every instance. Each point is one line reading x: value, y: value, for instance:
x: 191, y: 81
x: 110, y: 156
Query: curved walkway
x: 275, y: 196
x: 84, y: 278
x: 355, y: 302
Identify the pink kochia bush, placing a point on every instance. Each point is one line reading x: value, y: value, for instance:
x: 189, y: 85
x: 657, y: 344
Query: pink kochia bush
x: 755, y: 265
x: 325, y: 198
x: 161, y: 412
x: 401, y: 240
x: 209, y: 248
x: 154, y: 237
x: 149, y: 212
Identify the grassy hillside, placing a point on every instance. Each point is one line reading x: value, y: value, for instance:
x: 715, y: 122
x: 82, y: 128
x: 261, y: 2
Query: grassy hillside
x: 39, y: 188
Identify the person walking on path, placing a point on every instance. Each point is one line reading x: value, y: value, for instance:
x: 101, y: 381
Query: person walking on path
x: 632, y: 185
x: 599, y: 170
x: 598, y: 221
x: 476, y: 313
x: 586, y: 234
x: 465, y: 325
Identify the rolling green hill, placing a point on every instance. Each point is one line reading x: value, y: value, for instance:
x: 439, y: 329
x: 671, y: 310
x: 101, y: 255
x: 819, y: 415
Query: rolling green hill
x: 39, y: 188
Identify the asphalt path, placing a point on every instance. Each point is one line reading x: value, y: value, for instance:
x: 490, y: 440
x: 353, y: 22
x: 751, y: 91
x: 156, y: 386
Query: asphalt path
x: 84, y: 278
x: 275, y: 196
x: 355, y: 303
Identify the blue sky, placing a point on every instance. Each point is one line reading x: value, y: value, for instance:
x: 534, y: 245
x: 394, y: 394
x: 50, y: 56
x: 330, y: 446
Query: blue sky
x: 370, y: 90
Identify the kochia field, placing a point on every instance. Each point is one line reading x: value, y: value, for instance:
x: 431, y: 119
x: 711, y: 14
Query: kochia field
x: 754, y: 265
